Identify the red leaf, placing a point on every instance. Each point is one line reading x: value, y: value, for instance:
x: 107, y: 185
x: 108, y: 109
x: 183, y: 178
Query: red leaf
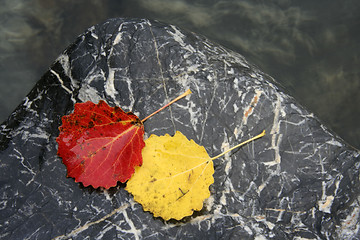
x: 100, y: 145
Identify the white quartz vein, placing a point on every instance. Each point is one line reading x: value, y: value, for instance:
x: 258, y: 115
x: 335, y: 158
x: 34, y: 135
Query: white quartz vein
x: 207, y: 113
x: 194, y: 112
x: 136, y: 232
x: 62, y: 85
x: 27, y: 104
x: 276, y: 136
x: 227, y: 184
x: 131, y: 94
x: 65, y: 63
x: 334, y: 143
x: 179, y: 37
x: 22, y: 161
x: 249, y: 109
x: 184, y: 78
x: 89, y: 224
x: 162, y: 74
x: 350, y: 224
x: 109, y: 84
x: 327, y: 200
x: 61, y: 81
x: 103, y: 231
x: 119, y: 35
x: 224, y: 147
x: 236, y: 87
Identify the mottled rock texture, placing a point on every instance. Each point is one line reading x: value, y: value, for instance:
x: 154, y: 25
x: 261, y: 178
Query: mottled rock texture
x: 299, y: 181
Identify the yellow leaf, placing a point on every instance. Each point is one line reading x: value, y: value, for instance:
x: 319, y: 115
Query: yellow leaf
x: 174, y: 179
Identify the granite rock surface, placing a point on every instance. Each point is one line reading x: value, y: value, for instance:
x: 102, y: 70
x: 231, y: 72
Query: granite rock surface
x: 300, y: 181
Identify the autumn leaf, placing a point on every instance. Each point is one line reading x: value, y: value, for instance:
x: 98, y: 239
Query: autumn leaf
x: 172, y: 183
x: 174, y: 179
x: 94, y: 138
x: 100, y: 145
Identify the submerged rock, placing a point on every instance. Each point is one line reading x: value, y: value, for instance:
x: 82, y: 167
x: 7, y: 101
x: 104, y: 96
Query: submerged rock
x: 299, y: 181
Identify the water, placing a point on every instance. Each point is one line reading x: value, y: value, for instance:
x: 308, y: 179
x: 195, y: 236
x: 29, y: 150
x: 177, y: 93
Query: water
x: 311, y: 47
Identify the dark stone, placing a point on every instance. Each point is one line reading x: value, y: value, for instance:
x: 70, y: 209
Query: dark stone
x: 299, y: 181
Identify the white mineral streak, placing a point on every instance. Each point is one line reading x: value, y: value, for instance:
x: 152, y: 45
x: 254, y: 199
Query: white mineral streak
x: 263, y: 220
x: 200, y: 220
x: 236, y: 131
x: 334, y: 143
x: 326, y: 201
x: 167, y: 99
x: 207, y: 112
x: 313, y: 211
x: 136, y: 232
x: 350, y: 224
x: 84, y: 227
x: 218, y: 214
x: 223, y: 102
x: 22, y: 159
x: 193, y: 68
x: 179, y: 37
x: 61, y: 81
x: 94, y: 35
x: 297, y: 221
x: 325, y: 204
x: 39, y: 133
x: 103, y: 232
x: 97, y: 209
x: 184, y: 78
x: 262, y: 186
x: 110, y: 89
x: 130, y: 95
x: 194, y: 111
x: 27, y: 104
x: 236, y: 87
x: 107, y: 196
x: 209, y: 203
x: 119, y: 35
x: 236, y: 108
x: 276, y: 136
x: 231, y: 71
x: 88, y: 93
x: 248, y: 230
x: 296, y: 108
x: 248, y: 111
x: 109, y: 84
x: 228, y: 185
x: 63, y: 59
x: 224, y: 147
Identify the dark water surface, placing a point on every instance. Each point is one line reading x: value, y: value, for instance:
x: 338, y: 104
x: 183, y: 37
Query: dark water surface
x: 311, y: 47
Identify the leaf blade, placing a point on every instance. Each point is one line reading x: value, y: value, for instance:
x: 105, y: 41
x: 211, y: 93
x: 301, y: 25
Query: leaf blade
x: 169, y: 184
x: 100, y: 145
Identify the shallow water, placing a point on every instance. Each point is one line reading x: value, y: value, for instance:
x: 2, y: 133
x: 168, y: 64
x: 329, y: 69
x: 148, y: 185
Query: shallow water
x: 311, y: 47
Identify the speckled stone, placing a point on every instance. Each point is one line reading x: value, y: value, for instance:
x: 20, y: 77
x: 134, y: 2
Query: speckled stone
x: 300, y: 181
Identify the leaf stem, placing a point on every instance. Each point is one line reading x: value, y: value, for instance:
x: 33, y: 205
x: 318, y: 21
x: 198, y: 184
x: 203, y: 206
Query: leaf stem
x: 239, y: 145
x: 179, y: 97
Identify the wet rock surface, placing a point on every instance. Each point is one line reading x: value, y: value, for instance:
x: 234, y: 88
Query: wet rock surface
x: 300, y: 180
